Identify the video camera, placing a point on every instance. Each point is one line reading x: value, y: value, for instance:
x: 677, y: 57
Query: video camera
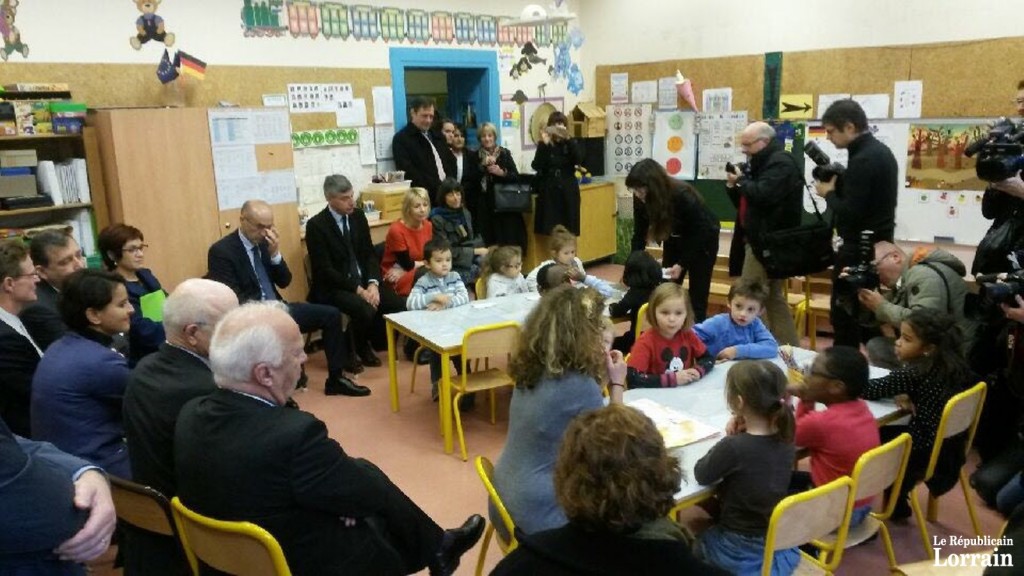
x: 862, y: 276
x: 1000, y: 153
x: 742, y: 168
x: 1002, y: 288
x: 824, y: 167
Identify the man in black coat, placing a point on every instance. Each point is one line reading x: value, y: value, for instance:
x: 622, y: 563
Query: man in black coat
x: 56, y: 256
x: 19, y: 353
x: 425, y: 157
x: 863, y: 199
x: 346, y: 270
x: 767, y: 198
x: 250, y: 263
x: 159, y: 386
x: 240, y: 455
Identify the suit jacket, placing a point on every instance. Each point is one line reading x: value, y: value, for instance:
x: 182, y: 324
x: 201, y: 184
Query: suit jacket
x: 42, y: 319
x: 157, y: 389
x: 36, y: 493
x: 238, y: 458
x: 228, y: 262
x: 413, y: 155
x: 329, y: 257
x: 18, y: 361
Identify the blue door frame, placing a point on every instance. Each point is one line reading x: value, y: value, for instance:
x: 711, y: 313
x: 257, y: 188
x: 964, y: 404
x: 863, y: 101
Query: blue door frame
x: 434, y: 58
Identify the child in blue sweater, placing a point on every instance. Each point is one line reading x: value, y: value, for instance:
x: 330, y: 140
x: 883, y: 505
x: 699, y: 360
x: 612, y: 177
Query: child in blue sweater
x: 739, y: 333
x: 438, y: 289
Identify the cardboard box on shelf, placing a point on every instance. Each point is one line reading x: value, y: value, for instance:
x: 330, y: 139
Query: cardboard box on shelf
x: 18, y: 186
x: 18, y: 158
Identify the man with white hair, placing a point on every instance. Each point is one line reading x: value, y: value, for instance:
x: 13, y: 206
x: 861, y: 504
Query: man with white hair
x: 239, y: 455
x: 159, y: 386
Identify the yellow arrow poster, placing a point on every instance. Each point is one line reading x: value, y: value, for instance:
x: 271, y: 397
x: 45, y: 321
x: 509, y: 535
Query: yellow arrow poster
x: 793, y: 106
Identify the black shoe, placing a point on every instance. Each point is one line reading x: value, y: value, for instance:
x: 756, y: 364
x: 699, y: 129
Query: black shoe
x: 467, y: 402
x: 342, y: 386
x: 369, y: 357
x: 354, y: 367
x: 455, y: 543
x: 303, y: 381
x: 424, y: 358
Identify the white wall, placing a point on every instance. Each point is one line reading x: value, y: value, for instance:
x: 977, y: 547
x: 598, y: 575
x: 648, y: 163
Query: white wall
x: 620, y: 32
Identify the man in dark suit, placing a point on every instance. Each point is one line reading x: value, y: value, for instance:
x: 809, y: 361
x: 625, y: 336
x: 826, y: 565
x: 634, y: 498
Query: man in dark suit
x: 56, y: 509
x: 19, y: 353
x: 425, y: 156
x: 56, y: 256
x: 159, y: 386
x: 239, y: 455
x: 250, y: 263
x: 346, y: 270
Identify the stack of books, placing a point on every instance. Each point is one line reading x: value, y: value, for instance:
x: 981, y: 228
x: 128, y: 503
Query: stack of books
x: 65, y: 182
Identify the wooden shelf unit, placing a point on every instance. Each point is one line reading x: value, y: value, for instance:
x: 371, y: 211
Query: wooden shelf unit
x: 43, y: 209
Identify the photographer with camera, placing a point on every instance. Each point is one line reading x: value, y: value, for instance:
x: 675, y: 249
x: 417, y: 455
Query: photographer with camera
x: 931, y: 279
x: 863, y: 198
x: 766, y: 193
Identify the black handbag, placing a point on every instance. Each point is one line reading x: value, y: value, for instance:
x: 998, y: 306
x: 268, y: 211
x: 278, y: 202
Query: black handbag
x: 513, y: 197
x: 798, y: 251
x: 1000, y: 240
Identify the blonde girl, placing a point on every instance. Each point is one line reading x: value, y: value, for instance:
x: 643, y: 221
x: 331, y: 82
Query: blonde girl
x: 502, y: 271
x: 669, y: 353
x: 562, y: 248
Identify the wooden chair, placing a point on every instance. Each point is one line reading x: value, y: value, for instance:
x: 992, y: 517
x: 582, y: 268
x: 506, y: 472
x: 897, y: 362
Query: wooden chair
x: 962, y: 414
x: 143, y: 508
x: 875, y: 471
x: 484, y: 342
x: 486, y: 471
x: 805, y: 518
x: 241, y: 548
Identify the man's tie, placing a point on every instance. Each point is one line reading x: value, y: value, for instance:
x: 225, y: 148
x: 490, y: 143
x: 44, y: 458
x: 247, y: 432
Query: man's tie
x: 353, y: 263
x: 437, y: 158
x: 266, y: 286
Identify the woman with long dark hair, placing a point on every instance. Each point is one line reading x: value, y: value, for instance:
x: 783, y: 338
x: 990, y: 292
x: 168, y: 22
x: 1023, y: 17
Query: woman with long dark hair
x: 674, y: 213
x: 558, y: 191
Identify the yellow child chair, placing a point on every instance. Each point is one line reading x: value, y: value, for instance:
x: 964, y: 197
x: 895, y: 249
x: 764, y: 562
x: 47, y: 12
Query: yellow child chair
x: 240, y: 548
x: 805, y: 518
x: 875, y: 471
x: 961, y: 414
x: 641, y: 320
x: 491, y: 341
x: 486, y: 471
x: 480, y: 288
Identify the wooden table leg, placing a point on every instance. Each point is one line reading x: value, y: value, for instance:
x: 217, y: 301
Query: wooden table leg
x: 389, y: 330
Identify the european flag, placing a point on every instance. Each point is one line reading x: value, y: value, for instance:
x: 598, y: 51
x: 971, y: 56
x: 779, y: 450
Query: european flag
x: 166, y: 71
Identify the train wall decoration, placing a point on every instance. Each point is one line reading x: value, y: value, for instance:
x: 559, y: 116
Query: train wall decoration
x: 304, y: 18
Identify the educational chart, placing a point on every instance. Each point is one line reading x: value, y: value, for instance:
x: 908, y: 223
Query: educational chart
x: 719, y: 133
x: 629, y: 137
x: 309, y: 98
x: 675, y: 143
x: 241, y: 139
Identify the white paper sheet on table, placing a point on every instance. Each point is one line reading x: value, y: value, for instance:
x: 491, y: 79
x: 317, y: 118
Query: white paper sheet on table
x: 676, y: 428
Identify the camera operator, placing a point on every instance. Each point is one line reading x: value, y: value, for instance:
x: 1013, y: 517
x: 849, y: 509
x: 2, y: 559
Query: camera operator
x: 933, y: 280
x: 863, y: 199
x: 767, y: 197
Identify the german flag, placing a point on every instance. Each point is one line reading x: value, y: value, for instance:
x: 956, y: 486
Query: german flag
x: 190, y: 65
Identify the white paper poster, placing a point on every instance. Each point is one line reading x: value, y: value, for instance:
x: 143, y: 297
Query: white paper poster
x: 234, y: 162
x: 719, y: 135
x: 906, y: 101
x: 675, y: 143
x: 230, y: 127
x: 629, y: 137
x: 667, y: 94
x: 278, y: 186
x: 645, y: 92
x: 352, y: 113
x: 271, y: 127
x: 383, y: 106
x: 826, y: 100
x: 717, y: 100
x: 874, y: 105
x: 367, y: 151
x: 309, y: 98
x: 383, y: 134
x: 233, y: 193
x: 620, y: 87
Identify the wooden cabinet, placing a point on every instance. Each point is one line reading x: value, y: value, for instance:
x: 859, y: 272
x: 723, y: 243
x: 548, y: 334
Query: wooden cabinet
x: 598, y: 211
x: 158, y: 169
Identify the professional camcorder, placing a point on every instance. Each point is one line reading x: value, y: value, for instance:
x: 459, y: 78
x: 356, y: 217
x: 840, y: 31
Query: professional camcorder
x: 1000, y: 154
x: 824, y: 167
x: 862, y: 276
x: 1003, y: 288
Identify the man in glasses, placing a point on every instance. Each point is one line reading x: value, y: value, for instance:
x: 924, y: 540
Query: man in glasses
x: 56, y: 255
x: 19, y: 353
x: 931, y: 280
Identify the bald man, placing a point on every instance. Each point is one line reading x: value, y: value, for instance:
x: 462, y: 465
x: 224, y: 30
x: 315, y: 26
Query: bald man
x: 240, y: 455
x: 250, y: 263
x: 768, y: 197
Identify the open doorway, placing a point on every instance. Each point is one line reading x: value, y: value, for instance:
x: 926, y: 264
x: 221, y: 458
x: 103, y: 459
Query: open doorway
x: 464, y: 83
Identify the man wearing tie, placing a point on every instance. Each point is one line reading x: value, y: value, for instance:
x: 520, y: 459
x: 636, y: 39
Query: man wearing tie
x: 346, y: 270
x: 250, y: 263
x: 19, y: 353
x: 425, y: 157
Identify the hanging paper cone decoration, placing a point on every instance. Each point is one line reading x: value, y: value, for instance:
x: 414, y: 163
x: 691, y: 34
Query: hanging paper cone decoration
x: 685, y: 89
